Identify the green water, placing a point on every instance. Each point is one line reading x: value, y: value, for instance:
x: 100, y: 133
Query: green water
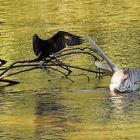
x: 46, y: 106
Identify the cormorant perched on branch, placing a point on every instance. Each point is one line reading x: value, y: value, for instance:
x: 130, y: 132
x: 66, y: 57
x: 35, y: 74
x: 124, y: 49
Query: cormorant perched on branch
x: 2, y: 62
x: 44, y: 48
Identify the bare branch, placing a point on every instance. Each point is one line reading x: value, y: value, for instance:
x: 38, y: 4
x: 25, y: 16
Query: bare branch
x: 81, y: 49
x: 74, y: 53
x: 54, y: 61
x: 10, y: 66
x: 82, y: 75
x: 21, y: 71
x: 62, y: 73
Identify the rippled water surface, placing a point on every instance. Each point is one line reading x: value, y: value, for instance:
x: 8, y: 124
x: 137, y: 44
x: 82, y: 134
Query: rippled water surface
x: 46, y: 106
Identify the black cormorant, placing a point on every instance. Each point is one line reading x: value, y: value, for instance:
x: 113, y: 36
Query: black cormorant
x: 45, y: 48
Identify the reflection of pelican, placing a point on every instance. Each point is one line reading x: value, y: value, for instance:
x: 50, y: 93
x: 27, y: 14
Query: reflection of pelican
x: 124, y: 79
x: 122, y: 106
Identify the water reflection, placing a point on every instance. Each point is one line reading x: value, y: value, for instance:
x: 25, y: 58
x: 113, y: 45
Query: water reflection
x: 50, y: 121
x: 34, y: 109
x: 122, y: 106
x: 51, y: 117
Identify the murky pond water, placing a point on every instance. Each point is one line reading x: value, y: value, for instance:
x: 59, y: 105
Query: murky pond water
x: 48, y: 107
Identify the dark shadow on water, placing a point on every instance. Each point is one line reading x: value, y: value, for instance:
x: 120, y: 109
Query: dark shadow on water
x: 51, y: 117
x: 3, y: 86
x: 7, y: 83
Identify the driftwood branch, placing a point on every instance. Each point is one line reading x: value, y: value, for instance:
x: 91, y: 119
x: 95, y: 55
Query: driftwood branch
x: 11, y: 65
x: 51, y: 62
x: 75, y: 53
x: 18, y: 72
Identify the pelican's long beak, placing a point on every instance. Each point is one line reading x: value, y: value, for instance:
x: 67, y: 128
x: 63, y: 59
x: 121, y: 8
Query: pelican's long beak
x: 92, y: 42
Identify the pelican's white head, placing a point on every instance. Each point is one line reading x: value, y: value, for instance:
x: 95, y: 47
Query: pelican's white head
x: 118, y: 80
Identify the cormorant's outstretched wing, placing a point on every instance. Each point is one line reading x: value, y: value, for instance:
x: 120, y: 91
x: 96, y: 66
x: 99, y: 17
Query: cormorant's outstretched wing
x: 44, y: 48
x: 37, y: 44
x: 63, y: 39
x: 113, y: 68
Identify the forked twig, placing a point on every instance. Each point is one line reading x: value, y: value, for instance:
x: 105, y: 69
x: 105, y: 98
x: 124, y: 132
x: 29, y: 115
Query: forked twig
x: 62, y: 73
x: 10, y: 66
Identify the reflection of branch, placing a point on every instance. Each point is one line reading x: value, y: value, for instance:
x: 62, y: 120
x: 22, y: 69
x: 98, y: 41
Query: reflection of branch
x: 11, y: 82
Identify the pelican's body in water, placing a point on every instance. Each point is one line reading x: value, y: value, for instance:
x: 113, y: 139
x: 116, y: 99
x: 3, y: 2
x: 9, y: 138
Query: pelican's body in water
x: 123, y: 79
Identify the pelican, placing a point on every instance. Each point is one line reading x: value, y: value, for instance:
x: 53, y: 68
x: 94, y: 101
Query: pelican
x: 123, y: 79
